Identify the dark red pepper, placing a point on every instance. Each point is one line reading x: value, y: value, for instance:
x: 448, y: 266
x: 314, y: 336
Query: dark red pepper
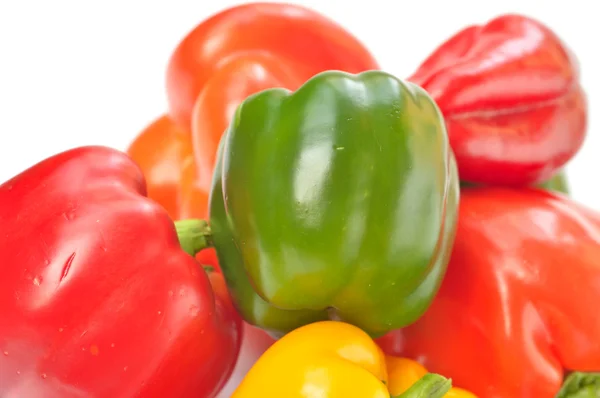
x: 510, y: 93
x: 97, y: 297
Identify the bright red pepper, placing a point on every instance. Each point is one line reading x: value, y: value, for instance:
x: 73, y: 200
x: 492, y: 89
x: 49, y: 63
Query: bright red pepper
x: 244, y: 75
x: 518, y: 307
x: 510, y: 93
x: 246, y: 49
x: 261, y: 45
x: 300, y: 40
x: 97, y: 297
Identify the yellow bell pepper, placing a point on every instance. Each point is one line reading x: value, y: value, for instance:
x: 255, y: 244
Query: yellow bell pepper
x: 331, y: 359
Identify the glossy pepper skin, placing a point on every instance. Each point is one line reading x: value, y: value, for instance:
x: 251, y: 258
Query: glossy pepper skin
x: 164, y: 152
x: 261, y: 45
x: 510, y: 93
x: 97, y: 297
x: 328, y: 360
x: 317, y: 207
x: 403, y: 373
x: 284, y: 40
x: 518, y: 305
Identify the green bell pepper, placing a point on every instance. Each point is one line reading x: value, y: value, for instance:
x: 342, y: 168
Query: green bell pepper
x: 337, y: 201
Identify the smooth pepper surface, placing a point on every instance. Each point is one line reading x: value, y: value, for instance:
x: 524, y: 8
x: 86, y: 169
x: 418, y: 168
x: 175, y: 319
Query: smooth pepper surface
x: 518, y: 305
x: 164, y: 152
x: 261, y: 45
x: 286, y: 42
x: 335, y: 201
x: 333, y: 360
x: 97, y: 297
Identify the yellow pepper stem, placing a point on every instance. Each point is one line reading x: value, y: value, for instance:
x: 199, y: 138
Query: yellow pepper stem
x: 431, y: 385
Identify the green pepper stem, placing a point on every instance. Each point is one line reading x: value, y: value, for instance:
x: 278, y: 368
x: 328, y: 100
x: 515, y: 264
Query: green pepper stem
x: 580, y: 385
x: 431, y: 385
x: 558, y: 183
x: 194, y: 235
x: 208, y: 268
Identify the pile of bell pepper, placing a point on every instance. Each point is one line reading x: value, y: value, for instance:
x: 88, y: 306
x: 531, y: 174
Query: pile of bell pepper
x: 380, y: 236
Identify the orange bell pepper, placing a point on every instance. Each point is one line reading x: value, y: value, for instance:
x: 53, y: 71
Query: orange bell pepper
x: 403, y: 373
x: 164, y: 152
x: 335, y: 359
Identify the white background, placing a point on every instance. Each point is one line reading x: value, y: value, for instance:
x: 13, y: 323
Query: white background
x: 93, y: 72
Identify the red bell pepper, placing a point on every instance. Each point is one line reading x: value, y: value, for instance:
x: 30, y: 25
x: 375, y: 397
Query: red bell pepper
x: 260, y: 45
x: 97, y: 296
x: 518, y: 308
x: 510, y: 93
x: 281, y: 37
x: 246, y: 49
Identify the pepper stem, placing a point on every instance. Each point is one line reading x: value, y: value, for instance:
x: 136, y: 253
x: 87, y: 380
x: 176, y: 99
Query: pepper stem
x: 580, y: 385
x: 194, y: 235
x: 431, y: 385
